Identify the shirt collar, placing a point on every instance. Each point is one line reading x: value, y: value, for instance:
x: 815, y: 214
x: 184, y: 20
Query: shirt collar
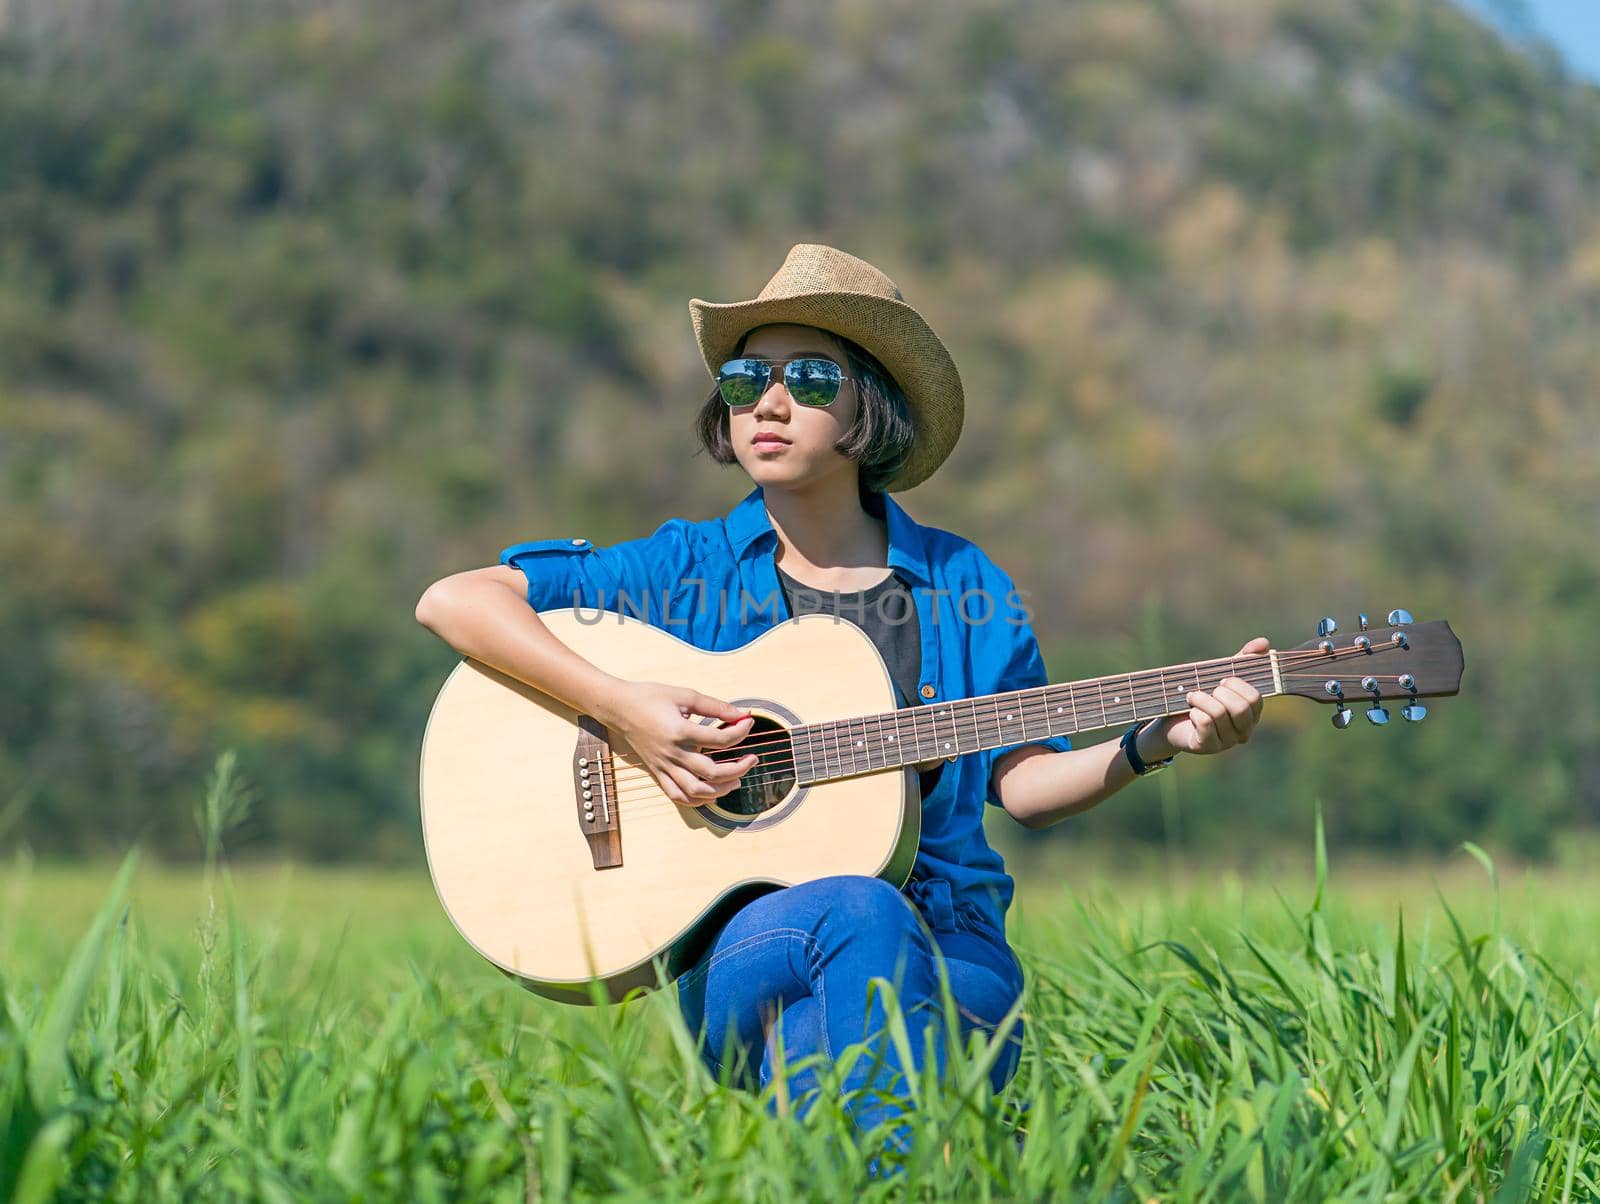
x: 749, y: 528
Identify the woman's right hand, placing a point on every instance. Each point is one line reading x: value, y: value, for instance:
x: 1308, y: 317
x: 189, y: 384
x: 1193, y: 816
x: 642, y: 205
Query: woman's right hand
x: 655, y: 720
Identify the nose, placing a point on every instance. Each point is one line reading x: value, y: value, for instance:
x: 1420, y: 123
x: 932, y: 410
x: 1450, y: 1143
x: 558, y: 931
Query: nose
x: 774, y: 400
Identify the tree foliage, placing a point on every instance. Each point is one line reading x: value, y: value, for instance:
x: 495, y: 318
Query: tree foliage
x: 1264, y: 311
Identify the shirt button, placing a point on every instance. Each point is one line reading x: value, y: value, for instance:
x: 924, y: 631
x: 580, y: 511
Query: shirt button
x: 577, y: 541
x: 927, y: 691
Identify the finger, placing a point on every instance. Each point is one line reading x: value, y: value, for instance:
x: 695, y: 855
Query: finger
x: 695, y: 791
x: 723, y: 737
x: 1207, y: 715
x: 1239, y: 718
x: 1249, y: 693
x: 1255, y: 647
x: 670, y: 788
x: 720, y: 772
x: 715, y: 708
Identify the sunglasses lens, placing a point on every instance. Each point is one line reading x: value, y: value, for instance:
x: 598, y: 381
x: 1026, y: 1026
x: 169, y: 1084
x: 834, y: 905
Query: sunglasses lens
x: 813, y: 382
x: 742, y: 382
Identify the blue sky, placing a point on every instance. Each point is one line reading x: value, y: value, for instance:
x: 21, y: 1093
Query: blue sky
x: 1573, y: 25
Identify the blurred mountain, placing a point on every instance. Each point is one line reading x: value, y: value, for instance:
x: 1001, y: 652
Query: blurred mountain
x: 1267, y: 309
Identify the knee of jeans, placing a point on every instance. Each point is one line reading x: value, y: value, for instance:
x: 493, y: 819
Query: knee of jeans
x: 870, y: 902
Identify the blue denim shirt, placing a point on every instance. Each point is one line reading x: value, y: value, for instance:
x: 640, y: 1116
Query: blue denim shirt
x: 714, y: 584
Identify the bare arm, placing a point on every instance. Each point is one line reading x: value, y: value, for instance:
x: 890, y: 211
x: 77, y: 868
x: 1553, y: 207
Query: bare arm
x: 484, y: 614
x: 1038, y: 787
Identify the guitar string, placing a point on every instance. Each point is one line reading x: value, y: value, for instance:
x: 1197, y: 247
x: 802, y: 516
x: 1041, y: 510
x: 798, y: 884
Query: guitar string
x: 1143, y: 692
x: 651, y: 800
x: 971, y: 723
x: 781, y: 764
x: 969, y: 726
x: 632, y: 777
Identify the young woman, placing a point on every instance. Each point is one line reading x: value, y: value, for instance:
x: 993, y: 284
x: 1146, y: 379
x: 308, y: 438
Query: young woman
x: 831, y: 394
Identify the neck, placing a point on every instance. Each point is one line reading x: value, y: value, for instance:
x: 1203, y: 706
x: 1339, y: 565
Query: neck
x: 822, y: 524
x: 841, y: 748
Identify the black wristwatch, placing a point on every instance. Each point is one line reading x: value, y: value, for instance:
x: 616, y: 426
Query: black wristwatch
x: 1130, y: 746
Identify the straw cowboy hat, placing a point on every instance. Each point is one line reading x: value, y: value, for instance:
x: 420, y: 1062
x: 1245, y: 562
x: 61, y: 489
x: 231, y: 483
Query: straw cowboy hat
x: 823, y: 287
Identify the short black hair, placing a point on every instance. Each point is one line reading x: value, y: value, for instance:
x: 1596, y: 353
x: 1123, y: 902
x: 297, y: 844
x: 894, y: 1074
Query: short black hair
x: 879, y: 440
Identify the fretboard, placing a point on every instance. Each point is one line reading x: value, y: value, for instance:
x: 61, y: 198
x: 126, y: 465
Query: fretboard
x: 843, y: 748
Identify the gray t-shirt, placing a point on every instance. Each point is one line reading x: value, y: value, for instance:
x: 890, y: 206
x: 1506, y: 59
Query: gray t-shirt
x: 888, y: 614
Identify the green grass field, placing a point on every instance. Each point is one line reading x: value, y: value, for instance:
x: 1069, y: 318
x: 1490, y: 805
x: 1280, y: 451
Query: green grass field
x: 288, y: 1034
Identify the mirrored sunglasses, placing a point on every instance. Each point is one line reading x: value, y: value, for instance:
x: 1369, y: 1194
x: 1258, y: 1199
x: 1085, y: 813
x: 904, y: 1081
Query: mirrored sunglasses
x: 812, y: 380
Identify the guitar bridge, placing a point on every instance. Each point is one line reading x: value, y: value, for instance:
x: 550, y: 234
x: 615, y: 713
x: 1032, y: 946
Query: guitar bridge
x: 594, y: 786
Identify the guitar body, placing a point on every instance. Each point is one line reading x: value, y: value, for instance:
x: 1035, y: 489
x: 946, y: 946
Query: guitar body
x: 510, y: 851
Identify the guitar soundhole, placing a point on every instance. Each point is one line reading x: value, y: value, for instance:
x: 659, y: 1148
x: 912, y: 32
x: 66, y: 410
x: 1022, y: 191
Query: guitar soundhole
x: 767, y: 783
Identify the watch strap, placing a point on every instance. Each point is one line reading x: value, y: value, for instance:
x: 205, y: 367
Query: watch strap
x: 1130, y: 747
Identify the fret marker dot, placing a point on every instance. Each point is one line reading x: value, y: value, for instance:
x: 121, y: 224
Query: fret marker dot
x: 947, y: 744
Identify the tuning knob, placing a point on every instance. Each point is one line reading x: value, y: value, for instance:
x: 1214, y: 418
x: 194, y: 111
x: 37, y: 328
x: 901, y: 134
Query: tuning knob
x: 1342, y: 716
x: 1377, y: 716
x: 1326, y: 627
x: 1399, y: 618
x: 1362, y: 619
x: 1414, y: 712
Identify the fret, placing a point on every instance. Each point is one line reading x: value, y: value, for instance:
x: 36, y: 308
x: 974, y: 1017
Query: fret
x: 999, y: 724
x: 1015, y: 721
x: 930, y: 739
x: 1166, y: 703
x: 919, y: 750
x: 964, y: 724
x: 1055, y: 712
x: 857, y: 734
x: 812, y: 770
x: 880, y: 759
x: 896, y: 753
x: 1133, y: 704
x: 947, y: 741
x: 1105, y: 720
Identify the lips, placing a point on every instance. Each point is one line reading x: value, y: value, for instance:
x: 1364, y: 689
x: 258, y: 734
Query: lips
x: 768, y: 437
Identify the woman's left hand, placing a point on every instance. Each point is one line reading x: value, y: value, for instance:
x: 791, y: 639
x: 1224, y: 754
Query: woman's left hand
x: 1216, y: 720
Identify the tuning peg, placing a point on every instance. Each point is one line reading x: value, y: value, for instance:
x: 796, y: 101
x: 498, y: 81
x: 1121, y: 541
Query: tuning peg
x: 1362, y: 619
x: 1414, y: 712
x: 1342, y: 716
x: 1377, y: 716
x: 1399, y: 618
x: 1326, y: 627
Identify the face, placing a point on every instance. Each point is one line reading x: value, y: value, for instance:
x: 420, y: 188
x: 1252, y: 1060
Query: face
x: 800, y: 451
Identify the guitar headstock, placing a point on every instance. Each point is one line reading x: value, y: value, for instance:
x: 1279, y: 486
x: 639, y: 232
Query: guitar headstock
x: 1402, y: 660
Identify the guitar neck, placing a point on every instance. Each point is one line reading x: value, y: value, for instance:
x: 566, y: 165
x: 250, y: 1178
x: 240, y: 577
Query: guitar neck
x: 842, y: 748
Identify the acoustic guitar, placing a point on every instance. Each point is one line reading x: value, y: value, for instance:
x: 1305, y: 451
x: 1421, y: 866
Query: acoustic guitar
x: 560, y: 860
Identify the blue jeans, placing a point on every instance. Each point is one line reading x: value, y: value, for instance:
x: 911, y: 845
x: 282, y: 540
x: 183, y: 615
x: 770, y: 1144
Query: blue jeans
x: 798, y: 964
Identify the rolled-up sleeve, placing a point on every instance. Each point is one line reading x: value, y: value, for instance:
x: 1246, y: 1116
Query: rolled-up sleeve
x: 629, y: 576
